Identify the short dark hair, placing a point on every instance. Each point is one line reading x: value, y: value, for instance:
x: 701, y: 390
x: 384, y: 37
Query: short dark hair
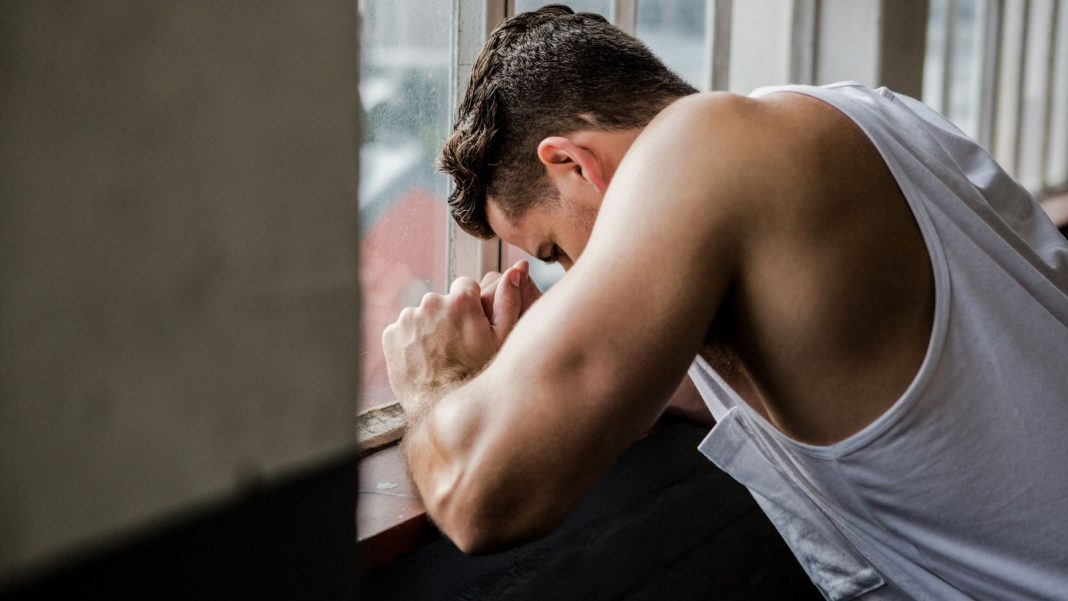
x: 544, y: 73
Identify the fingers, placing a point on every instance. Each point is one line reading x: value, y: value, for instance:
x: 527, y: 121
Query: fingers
x: 464, y: 287
x: 489, y: 284
x: 489, y: 279
x: 489, y: 289
x: 463, y: 300
x: 528, y: 290
x: 508, y: 303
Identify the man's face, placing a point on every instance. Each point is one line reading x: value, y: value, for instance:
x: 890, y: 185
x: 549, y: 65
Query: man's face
x: 553, y: 231
x: 579, y: 166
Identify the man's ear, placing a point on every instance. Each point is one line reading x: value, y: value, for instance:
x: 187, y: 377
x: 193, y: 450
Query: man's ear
x: 565, y: 160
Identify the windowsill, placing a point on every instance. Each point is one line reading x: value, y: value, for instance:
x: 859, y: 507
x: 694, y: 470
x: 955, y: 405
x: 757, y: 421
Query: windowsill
x: 390, y: 517
x: 379, y: 427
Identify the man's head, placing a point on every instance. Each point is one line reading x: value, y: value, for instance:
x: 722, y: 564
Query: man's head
x: 554, y: 100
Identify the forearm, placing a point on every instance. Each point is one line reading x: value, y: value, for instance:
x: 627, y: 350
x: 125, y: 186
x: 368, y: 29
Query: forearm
x: 428, y: 455
x: 463, y: 465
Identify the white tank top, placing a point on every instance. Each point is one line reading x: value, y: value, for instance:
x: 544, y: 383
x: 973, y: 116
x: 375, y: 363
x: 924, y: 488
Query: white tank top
x: 959, y: 490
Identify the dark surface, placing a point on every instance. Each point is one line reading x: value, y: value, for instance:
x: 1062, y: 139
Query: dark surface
x: 293, y: 541
x: 663, y: 524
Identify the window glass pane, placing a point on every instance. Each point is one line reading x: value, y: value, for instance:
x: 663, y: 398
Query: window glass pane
x: 760, y: 44
x: 935, y: 53
x: 1033, y: 128
x: 1057, y: 172
x: 601, y: 7
x: 1007, y: 129
x: 964, y: 87
x: 964, y: 64
x: 675, y: 31
x: 404, y: 88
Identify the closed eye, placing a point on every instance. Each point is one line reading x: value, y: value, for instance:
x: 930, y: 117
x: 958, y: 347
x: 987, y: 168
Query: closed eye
x: 553, y: 256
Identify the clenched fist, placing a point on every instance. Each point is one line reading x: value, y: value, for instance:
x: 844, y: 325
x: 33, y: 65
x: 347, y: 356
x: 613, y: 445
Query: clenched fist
x: 451, y: 337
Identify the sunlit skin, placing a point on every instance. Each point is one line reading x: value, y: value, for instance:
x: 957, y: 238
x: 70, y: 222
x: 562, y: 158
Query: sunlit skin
x: 764, y: 234
x: 582, y: 164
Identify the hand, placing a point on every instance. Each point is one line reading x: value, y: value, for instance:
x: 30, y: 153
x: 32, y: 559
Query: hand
x: 448, y: 338
x: 528, y: 289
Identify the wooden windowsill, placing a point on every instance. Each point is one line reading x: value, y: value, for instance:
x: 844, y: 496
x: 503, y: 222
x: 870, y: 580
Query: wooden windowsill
x: 390, y: 518
x: 379, y: 427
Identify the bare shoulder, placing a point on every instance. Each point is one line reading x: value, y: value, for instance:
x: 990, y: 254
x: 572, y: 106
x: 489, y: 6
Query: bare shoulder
x: 785, y: 155
x: 712, y: 150
x: 789, y: 122
x: 797, y: 137
x: 744, y: 159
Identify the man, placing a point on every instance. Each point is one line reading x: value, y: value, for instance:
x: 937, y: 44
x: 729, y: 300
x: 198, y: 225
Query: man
x: 875, y: 314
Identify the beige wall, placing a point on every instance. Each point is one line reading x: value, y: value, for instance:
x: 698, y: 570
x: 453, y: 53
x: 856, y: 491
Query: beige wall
x: 178, y: 296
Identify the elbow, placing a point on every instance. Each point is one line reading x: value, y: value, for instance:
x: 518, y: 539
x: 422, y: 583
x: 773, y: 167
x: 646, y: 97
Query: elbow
x: 480, y: 524
x: 451, y: 510
x: 469, y: 527
x: 483, y: 501
x: 481, y: 538
x: 476, y: 541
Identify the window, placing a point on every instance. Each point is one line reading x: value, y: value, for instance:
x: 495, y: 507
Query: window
x: 675, y: 32
x: 1057, y: 158
x: 1035, y: 99
x: 998, y: 68
x: 952, y: 65
x: 762, y: 56
x: 601, y: 7
x: 404, y: 88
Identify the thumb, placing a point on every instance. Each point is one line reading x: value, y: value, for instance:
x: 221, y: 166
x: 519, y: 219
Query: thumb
x: 507, y: 304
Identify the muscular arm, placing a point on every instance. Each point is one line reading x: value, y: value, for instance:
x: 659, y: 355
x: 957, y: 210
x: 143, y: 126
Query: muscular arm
x: 504, y: 457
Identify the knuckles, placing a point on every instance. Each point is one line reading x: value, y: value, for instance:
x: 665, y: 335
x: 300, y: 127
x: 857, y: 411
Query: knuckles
x: 465, y: 286
x: 431, y: 301
x: 461, y: 304
x: 434, y: 316
x: 464, y: 296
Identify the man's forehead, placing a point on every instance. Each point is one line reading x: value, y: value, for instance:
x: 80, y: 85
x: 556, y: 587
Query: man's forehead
x: 506, y: 228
